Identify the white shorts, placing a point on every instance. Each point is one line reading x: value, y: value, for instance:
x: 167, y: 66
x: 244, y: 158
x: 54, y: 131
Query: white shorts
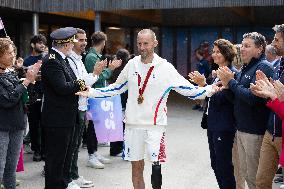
x: 141, y: 143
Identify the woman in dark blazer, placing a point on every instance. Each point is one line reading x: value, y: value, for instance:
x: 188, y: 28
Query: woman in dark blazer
x: 220, y: 118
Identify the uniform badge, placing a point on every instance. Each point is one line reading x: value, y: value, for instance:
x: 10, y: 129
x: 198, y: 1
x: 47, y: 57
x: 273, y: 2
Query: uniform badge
x: 52, y: 56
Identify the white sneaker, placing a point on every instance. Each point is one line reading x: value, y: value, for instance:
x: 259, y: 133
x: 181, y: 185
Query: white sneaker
x: 27, y: 149
x: 73, y: 185
x: 102, y: 158
x: 94, y: 162
x: 282, y: 186
x: 83, y: 183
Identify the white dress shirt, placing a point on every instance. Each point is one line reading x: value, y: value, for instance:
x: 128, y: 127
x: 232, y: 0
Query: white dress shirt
x: 80, y: 71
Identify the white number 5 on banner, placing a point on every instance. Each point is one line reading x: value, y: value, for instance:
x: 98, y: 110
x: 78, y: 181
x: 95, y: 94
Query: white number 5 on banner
x: 107, y: 105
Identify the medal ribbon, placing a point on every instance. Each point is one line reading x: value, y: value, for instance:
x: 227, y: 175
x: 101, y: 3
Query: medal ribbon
x: 141, y: 90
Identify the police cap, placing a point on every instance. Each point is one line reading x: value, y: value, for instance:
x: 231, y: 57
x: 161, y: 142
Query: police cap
x: 64, y: 35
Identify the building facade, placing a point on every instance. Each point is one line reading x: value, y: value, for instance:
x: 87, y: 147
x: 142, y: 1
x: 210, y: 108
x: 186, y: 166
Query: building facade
x: 181, y: 25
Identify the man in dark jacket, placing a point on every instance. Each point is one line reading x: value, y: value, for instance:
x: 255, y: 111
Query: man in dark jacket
x: 272, y: 141
x: 60, y: 109
x: 37, y: 44
x: 250, y: 111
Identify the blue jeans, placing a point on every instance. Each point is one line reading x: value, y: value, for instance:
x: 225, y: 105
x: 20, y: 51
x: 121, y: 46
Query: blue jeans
x: 11, y: 143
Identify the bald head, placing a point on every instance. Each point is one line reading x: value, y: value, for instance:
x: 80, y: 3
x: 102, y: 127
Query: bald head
x: 146, y: 43
x: 147, y: 32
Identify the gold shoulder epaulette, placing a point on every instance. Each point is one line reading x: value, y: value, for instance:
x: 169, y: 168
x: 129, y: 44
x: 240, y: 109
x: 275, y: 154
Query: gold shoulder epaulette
x: 51, y: 56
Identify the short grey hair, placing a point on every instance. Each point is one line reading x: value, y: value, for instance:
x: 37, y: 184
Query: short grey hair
x: 148, y: 31
x: 271, y: 49
x: 279, y: 28
x: 259, y: 40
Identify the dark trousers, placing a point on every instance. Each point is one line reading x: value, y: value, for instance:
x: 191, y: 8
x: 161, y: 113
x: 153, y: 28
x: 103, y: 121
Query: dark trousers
x: 116, y: 148
x: 76, y: 143
x: 34, y: 115
x: 92, y: 142
x: 220, y: 146
x: 84, y: 137
x: 58, y: 157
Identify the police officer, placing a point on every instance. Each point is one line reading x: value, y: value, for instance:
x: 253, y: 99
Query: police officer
x: 60, y: 108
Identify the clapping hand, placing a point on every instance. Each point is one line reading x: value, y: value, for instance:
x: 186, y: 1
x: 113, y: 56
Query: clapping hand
x: 114, y: 64
x: 99, y: 67
x: 37, y: 68
x: 264, y: 89
x: 225, y: 75
x: 32, y: 73
x: 197, y: 78
x: 260, y: 75
x: 279, y: 90
x: 216, y: 88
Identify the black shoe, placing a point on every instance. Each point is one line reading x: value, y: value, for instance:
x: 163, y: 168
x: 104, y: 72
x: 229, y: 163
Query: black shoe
x: 84, y: 145
x: 279, y: 171
x: 116, y: 154
x: 278, y: 179
x: 43, y: 157
x: 37, y: 157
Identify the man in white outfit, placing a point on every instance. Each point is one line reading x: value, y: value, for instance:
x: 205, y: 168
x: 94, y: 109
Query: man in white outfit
x: 148, y: 79
x: 77, y: 66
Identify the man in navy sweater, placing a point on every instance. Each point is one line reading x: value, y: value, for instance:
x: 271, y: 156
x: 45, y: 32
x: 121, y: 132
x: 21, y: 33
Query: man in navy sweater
x: 250, y: 111
x: 272, y: 141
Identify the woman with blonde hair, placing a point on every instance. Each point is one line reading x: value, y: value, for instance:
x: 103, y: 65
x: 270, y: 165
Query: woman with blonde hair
x: 12, y: 122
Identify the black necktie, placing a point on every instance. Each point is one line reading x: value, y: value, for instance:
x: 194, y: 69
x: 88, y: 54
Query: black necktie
x: 70, y: 69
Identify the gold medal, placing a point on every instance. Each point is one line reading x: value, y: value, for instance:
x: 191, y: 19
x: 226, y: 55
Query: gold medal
x: 140, y: 99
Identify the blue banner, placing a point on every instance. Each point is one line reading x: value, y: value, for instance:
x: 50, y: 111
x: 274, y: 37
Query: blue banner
x: 107, y: 116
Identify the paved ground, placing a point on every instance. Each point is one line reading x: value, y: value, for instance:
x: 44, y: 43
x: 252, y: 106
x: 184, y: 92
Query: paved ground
x: 188, y: 165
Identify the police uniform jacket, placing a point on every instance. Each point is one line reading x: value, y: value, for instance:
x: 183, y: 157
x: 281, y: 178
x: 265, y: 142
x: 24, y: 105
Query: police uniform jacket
x: 60, y: 104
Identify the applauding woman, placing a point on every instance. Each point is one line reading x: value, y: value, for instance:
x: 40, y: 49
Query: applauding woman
x: 220, y: 119
x: 12, y: 124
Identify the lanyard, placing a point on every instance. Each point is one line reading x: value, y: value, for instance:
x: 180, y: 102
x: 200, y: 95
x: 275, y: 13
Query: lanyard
x: 279, y: 74
x: 140, y: 98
